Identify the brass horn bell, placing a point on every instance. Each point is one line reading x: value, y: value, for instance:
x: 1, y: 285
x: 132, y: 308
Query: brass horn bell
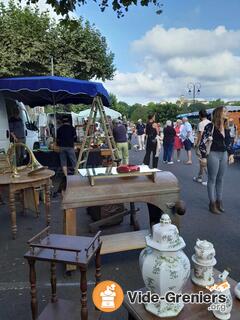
x: 33, y: 164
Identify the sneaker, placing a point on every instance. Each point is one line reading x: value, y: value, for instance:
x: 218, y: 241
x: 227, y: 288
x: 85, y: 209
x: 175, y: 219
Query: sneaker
x: 140, y: 149
x: 204, y: 183
x: 197, y: 179
x: 178, y: 160
x: 171, y: 162
x: 165, y: 162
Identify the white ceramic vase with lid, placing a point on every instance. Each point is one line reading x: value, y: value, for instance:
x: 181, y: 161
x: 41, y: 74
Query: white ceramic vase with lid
x: 164, y: 266
x: 203, y: 262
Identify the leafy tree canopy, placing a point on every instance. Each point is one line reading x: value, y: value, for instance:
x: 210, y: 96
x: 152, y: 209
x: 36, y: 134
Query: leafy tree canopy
x: 28, y: 40
x: 119, y: 6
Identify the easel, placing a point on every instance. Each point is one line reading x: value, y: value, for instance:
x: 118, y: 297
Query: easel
x: 97, y: 105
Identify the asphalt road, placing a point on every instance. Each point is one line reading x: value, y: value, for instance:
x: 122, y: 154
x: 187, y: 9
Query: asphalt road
x: 222, y: 230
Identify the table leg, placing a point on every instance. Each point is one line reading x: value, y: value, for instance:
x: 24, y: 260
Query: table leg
x: 53, y: 282
x: 32, y: 278
x: 83, y: 287
x: 133, y: 217
x: 47, y: 203
x: 98, y: 266
x: 70, y: 228
x: 13, y: 213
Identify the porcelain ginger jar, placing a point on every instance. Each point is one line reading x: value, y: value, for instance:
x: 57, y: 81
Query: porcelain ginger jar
x: 164, y: 266
x: 203, y: 262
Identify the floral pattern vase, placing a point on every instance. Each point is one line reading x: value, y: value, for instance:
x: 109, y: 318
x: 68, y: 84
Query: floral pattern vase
x: 164, y: 266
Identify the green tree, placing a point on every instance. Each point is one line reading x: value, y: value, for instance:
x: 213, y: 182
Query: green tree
x: 216, y: 103
x: 140, y: 112
x: 29, y: 38
x: 164, y: 112
x: 120, y: 6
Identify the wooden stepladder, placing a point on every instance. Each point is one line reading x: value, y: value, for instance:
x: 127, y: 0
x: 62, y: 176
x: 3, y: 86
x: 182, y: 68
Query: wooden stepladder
x: 97, y: 106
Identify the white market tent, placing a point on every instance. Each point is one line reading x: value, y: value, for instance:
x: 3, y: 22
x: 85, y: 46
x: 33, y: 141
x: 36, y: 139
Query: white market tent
x: 109, y: 112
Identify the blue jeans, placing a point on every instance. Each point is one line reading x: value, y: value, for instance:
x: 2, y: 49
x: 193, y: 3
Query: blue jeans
x: 167, y: 152
x: 216, y: 165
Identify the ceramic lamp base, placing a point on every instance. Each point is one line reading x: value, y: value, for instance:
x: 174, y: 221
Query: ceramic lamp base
x: 222, y: 316
x: 164, y: 310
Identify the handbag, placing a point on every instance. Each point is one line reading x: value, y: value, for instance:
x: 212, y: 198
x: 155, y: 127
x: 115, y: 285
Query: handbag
x: 209, y: 141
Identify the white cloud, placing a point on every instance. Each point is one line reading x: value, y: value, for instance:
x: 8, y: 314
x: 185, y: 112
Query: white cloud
x: 168, y: 59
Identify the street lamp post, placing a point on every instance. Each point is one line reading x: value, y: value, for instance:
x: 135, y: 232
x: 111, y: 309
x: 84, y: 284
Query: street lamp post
x: 194, y: 88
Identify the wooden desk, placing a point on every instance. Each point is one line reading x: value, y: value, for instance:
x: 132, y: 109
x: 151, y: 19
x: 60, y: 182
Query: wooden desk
x: 189, y: 312
x: 24, y: 182
x: 163, y: 193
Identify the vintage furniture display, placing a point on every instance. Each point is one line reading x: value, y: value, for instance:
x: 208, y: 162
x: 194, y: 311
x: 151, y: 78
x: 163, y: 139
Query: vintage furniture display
x: 56, y: 248
x: 24, y: 182
x: 164, y: 266
x: 190, y: 311
x: 163, y: 193
x: 203, y: 260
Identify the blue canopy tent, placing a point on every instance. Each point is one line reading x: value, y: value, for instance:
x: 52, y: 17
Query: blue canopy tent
x: 44, y: 90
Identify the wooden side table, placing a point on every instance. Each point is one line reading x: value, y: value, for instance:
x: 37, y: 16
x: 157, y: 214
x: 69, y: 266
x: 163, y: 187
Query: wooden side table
x: 56, y: 248
x: 190, y: 311
x: 23, y: 183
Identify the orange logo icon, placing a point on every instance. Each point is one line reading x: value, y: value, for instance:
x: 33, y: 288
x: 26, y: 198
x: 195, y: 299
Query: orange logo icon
x: 108, y: 296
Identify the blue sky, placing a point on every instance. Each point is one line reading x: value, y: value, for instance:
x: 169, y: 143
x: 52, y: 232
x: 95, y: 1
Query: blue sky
x: 158, y: 55
x: 205, y: 14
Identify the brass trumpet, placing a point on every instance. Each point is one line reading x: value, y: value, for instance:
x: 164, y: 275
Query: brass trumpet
x: 33, y: 164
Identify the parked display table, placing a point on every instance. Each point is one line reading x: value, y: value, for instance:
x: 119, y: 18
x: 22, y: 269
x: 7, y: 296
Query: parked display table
x: 190, y: 311
x: 163, y: 192
x: 56, y: 248
x: 25, y: 182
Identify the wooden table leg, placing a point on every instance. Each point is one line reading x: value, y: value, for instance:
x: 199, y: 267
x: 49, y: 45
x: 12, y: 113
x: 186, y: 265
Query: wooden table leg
x: 13, y: 213
x: 32, y: 278
x: 83, y: 287
x: 70, y: 229
x: 98, y: 266
x: 47, y: 203
x: 53, y: 282
x: 133, y: 217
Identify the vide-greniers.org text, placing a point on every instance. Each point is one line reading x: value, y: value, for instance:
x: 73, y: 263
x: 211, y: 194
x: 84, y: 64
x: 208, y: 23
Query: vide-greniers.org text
x: 172, y: 297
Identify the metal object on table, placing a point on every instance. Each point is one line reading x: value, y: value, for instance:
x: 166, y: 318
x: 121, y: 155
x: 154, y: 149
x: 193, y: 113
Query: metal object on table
x: 56, y: 248
x: 33, y: 164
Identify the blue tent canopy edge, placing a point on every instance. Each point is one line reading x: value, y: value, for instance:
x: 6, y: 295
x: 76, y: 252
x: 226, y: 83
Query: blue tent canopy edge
x: 43, y: 90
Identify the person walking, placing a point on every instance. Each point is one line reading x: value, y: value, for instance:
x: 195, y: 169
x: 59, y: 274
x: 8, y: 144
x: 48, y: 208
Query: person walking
x: 220, y: 154
x: 140, y: 128
x: 178, y: 145
x: 233, y: 131
x: 151, y: 145
x: 120, y: 136
x: 187, y: 138
x: 66, y: 135
x: 168, y: 141
x: 202, y: 167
